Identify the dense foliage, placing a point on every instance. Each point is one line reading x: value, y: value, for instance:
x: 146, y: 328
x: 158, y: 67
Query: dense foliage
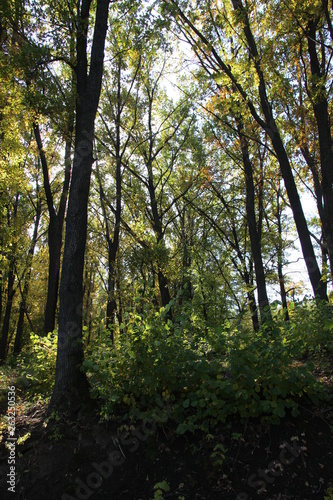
x: 166, y: 166
x: 172, y: 371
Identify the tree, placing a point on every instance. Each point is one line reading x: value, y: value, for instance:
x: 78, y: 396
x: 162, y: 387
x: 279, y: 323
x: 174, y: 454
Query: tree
x: 254, y: 231
x: 27, y: 272
x: 117, y: 122
x: 207, y: 46
x: 45, y: 93
x: 12, y: 224
x: 56, y: 222
x: 71, y: 386
x: 159, y: 138
x: 314, y: 31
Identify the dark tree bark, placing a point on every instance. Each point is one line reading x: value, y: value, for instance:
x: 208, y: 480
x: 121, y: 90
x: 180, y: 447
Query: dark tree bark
x: 56, y: 223
x: 112, y: 246
x: 240, y: 264
x: 156, y: 215
x: 87, y: 291
x: 1, y: 294
x: 318, y: 97
x: 71, y: 390
x: 56, y: 215
x: 8, y: 310
x: 248, y: 279
x: 309, y: 158
x: 255, y: 240
x: 25, y: 291
x: 163, y: 284
x: 10, y: 286
x: 113, y: 241
x: 283, y: 292
x: 300, y: 221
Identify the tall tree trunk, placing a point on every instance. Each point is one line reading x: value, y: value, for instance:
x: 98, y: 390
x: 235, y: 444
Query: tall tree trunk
x: 120, y: 306
x: 186, y: 232
x: 25, y: 291
x: 247, y: 276
x: 1, y: 294
x: 318, y: 96
x: 264, y: 307
x: 163, y: 281
x: 111, y: 306
x: 55, y: 244
x: 87, y: 291
x: 300, y: 221
x: 113, y: 242
x: 283, y: 292
x: 157, y: 223
x: 71, y: 389
x: 309, y: 158
x: 112, y: 246
x: 56, y: 223
x: 10, y: 285
x: 8, y: 310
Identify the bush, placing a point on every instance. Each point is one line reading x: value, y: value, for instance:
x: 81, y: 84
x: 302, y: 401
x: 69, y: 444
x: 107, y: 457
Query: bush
x: 159, y: 370
x: 36, y: 365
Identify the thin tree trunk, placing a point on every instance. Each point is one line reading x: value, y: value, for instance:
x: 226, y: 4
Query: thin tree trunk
x: 324, y: 260
x: 25, y: 291
x: 8, y: 310
x: 283, y: 292
x: 157, y: 226
x: 320, y: 106
x: 187, y: 259
x: 1, y: 295
x: 264, y: 307
x: 120, y: 306
x: 10, y: 286
x: 88, y: 288
x: 247, y: 276
x: 55, y: 244
x: 112, y: 245
x: 157, y: 223
x: 56, y: 222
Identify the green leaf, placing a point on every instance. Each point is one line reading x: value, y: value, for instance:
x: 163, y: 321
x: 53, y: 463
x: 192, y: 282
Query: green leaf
x: 162, y: 486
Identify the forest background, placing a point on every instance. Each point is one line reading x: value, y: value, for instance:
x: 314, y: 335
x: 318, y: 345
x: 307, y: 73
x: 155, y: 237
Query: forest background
x: 156, y: 158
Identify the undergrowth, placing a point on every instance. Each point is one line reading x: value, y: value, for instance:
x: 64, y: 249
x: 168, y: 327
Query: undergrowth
x: 177, y: 370
x: 164, y: 370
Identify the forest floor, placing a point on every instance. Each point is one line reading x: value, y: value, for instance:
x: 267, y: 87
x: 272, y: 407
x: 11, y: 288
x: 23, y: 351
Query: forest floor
x: 241, y: 460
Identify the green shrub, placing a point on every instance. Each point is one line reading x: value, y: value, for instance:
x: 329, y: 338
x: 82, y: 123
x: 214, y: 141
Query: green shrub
x: 159, y: 369
x: 36, y: 365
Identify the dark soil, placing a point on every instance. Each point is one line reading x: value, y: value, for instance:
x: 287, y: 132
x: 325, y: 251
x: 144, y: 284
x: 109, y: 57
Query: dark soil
x: 241, y: 460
